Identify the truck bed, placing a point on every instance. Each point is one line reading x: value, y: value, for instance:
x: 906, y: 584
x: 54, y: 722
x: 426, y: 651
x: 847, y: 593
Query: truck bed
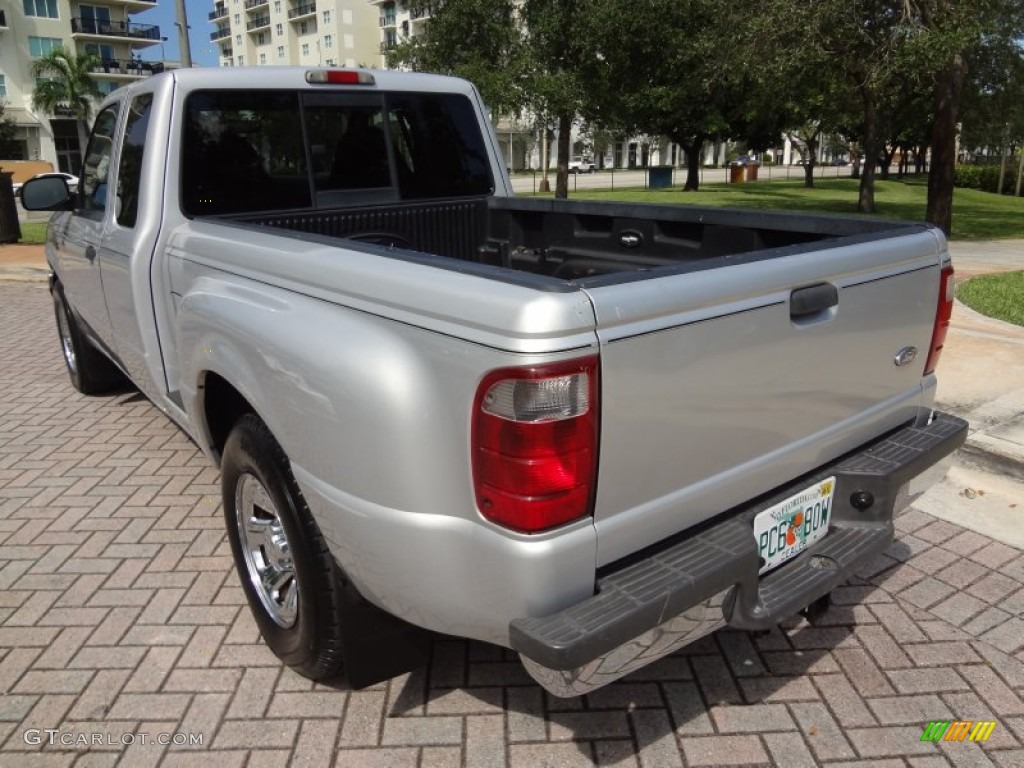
x: 577, y: 240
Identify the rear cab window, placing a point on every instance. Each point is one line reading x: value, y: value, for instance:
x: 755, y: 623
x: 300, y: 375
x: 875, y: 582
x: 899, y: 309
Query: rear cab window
x: 249, y: 151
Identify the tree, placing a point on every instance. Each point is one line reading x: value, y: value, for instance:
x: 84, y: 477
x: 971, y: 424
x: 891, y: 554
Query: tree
x: 65, y: 81
x: 521, y: 54
x: 664, y: 67
x: 945, y: 36
x: 474, y: 39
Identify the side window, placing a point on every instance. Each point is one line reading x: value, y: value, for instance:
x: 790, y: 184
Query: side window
x: 129, y: 169
x: 97, y: 161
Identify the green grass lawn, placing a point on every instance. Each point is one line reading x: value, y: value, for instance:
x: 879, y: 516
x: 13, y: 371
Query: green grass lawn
x: 1000, y: 296
x: 976, y: 215
x: 33, y: 232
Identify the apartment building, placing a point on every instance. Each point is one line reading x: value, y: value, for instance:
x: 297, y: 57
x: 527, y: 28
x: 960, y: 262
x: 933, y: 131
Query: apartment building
x: 340, y: 33
x: 30, y: 29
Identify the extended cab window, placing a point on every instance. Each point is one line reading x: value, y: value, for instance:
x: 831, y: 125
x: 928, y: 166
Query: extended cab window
x: 129, y: 169
x: 97, y: 162
x: 244, y: 152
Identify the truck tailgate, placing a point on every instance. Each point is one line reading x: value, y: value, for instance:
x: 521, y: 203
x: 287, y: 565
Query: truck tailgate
x: 720, y: 384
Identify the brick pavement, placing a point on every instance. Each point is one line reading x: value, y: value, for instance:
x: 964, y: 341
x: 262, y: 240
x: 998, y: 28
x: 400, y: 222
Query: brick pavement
x: 120, y: 615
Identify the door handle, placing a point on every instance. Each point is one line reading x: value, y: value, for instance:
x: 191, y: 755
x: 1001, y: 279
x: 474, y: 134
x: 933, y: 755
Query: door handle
x: 812, y: 299
x: 90, y: 253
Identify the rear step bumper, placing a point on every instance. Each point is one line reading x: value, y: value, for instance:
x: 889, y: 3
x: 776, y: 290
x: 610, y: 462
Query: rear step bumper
x: 683, y: 589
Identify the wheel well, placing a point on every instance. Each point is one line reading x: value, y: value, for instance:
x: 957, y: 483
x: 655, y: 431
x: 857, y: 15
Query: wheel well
x: 223, y: 405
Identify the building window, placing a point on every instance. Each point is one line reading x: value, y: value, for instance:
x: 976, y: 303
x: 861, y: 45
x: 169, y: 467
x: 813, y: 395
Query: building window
x: 277, y: 6
x: 106, y: 87
x: 280, y: 51
x: 104, y: 53
x: 328, y: 41
x: 44, y: 9
x: 263, y: 58
x: 3, y: 86
x: 41, y: 46
x: 279, y: 30
x: 238, y: 40
x: 238, y: 20
x: 331, y: 63
x: 303, y: 27
x: 261, y: 38
x: 305, y: 49
x: 327, y: 17
x: 241, y: 61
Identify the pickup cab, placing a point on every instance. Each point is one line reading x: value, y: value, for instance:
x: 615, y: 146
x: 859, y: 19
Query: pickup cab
x: 580, y: 164
x: 588, y: 432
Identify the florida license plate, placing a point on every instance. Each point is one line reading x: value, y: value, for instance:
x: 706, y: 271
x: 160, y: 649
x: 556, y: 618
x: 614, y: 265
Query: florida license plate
x: 786, y: 529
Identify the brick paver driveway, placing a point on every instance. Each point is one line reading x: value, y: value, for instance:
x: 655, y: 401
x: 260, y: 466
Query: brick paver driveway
x: 121, y: 616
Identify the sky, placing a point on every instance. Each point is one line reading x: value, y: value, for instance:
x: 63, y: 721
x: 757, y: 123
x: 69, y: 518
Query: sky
x: 204, y: 52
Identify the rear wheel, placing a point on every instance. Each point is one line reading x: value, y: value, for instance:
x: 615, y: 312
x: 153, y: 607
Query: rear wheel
x: 293, y: 586
x: 90, y: 371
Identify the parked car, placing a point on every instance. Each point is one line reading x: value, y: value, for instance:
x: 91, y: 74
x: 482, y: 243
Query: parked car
x: 581, y: 165
x: 70, y: 179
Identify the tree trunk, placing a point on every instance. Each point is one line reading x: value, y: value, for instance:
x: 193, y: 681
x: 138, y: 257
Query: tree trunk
x: 692, y: 148
x: 948, y: 87
x: 562, y: 180
x: 866, y: 198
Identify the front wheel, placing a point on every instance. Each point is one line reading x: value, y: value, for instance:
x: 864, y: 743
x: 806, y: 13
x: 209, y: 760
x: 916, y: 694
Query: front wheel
x: 289, y: 577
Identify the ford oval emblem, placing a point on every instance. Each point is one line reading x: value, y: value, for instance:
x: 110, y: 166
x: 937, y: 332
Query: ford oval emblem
x: 905, y: 356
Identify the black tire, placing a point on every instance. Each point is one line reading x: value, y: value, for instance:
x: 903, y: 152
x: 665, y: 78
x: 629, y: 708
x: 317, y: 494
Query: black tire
x: 309, y: 638
x: 90, y: 371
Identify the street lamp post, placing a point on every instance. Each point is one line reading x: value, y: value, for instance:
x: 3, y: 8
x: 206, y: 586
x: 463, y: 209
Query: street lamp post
x: 182, y: 25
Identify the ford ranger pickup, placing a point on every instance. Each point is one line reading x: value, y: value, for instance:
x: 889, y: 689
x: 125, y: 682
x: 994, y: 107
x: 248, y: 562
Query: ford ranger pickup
x: 588, y: 432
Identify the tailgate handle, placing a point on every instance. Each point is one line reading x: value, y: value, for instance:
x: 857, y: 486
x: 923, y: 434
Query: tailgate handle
x: 813, y: 299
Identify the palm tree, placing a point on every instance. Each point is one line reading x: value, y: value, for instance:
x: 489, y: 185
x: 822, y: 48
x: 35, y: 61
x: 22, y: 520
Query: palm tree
x: 65, y: 83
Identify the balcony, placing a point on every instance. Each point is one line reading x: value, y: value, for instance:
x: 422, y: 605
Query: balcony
x: 126, y: 69
x: 119, y: 29
x: 227, y: 52
x: 218, y: 12
x: 387, y: 20
x: 301, y: 11
x: 388, y: 45
x: 133, y: 6
x: 222, y: 33
x: 258, y: 23
x: 251, y: 5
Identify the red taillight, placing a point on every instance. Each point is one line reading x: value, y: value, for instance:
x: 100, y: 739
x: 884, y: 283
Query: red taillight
x: 534, y: 444
x: 943, y: 312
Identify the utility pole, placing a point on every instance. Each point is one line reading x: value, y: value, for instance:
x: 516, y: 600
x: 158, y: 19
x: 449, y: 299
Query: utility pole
x: 182, y: 25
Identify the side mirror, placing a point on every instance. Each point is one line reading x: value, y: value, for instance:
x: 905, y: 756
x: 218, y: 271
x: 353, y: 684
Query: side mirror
x: 50, y: 193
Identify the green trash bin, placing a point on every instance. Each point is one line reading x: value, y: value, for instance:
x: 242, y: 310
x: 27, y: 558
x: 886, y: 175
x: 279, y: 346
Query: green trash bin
x: 659, y: 177
x: 10, y: 229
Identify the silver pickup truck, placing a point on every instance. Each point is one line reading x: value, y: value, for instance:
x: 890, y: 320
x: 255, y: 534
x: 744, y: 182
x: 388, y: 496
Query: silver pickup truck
x: 587, y: 432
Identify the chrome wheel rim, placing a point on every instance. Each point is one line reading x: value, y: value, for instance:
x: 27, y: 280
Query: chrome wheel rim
x: 64, y: 327
x: 268, y: 558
